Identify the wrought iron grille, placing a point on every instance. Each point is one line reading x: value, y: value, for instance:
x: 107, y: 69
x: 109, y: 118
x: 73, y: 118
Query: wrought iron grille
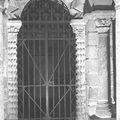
x: 46, y: 63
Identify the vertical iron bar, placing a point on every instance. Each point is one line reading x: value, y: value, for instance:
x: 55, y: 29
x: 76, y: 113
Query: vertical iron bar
x: 22, y: 72
x: 53, y: 75
x: 34, y: 58
x: 64, y: 82
x: 59, y: 76
x: 28, y: 83
x: 39, y: 74
x: 46, y: 74
x: 70, y: 75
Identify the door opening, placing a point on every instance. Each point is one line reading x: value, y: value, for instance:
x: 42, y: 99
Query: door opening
x: 46, y: 63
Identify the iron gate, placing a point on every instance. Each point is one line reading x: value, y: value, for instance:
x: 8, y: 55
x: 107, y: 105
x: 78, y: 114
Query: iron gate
x: 46, y: 63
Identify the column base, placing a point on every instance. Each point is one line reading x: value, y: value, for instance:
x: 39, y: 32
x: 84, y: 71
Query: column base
x: 92, y: 108
x: 102, y: 110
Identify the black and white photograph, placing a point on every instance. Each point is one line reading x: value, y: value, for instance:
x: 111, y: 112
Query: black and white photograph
x: 59, y: 59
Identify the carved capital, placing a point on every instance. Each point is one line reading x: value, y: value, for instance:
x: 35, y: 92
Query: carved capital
x: 78, y: 27
x: 103, y: 25
x: 100, y: 14
x: 103, y: 22
x: 14, y: 26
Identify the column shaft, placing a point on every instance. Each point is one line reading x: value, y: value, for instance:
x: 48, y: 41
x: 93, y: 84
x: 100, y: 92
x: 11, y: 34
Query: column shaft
x: 102, y: 109
x: 92, y: 66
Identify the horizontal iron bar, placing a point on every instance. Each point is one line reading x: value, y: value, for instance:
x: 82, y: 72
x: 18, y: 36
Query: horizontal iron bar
x: 49, y: 22
x: 59, y: 118
x: 47, y: 38
x: 45, y: 85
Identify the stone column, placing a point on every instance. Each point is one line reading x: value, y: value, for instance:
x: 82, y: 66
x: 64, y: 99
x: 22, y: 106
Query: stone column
x: 13, y: 29
x: 117, y: 6
x: 92, y: 45
x: 1, y: 67
x: 81, y: 90
x: 102, y: 26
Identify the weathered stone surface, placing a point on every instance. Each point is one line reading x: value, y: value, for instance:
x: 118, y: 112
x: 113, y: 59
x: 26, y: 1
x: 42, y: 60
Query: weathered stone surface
x: 102, y: 109
x: 92, y: 79
x: 92, y: 52
x: 93, y: 92
x: 92, y: 38
x: 92, y: 66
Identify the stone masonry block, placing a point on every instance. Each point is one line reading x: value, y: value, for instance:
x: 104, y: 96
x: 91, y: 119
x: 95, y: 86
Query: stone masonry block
x: 92, y: 79
x: 92, y: 66
x: 92, y: 52
x: 93, y: 92
x: 92, y: 38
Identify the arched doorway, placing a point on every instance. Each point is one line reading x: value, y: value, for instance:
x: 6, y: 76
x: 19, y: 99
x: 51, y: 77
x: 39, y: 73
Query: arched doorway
x: 46, y: 63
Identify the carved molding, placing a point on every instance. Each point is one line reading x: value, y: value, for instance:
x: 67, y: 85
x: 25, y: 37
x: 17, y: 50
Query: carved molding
x: 81, y: 89
x: 102, y: 19
x: 103, y: 22
x: 13, y: 28
x: 99, y: 14
x: 103, y: 25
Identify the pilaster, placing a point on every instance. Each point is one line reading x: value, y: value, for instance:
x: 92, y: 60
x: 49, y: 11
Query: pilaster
x: 102, y: 26
x: 13, y: 29
x: 81, y: 90
x: 98, y: 76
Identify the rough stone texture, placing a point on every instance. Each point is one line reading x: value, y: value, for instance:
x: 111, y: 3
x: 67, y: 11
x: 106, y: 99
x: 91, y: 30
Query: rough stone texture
x: 81, y: 90
x: 13, y: 28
